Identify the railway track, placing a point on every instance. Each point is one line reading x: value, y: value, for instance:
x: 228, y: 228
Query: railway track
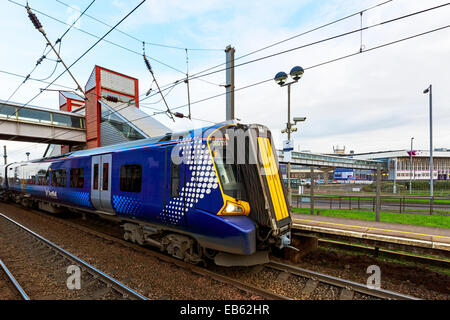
x: 312, y: 280
x: 14, y: 285
x: 347, y: 288
x: 384, y: 253
x: 254, y: 290
x: 21, y: 240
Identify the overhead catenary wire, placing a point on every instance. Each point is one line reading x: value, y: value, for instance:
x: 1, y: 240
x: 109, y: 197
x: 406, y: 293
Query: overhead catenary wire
x: 300, y: 47
x: 187, y: 83
x: 149, y: 68
x: 260, y: 82
x: 197, y: 75
x: 323, y: 63
x: 307, y: 68
x: 156, y: 102
x: 55, y: 67
x: 141, y: 40
x: 318, y: 42
x: 328, y: 39
x: 175, y: 83
x: 295, y: 36
x: 80, y: 57
x: 111, y: 42
x: 34, y: 79
x: 169, y: 85
x: 39, y: 27
x: 44, y: 54
x: 38, y: 62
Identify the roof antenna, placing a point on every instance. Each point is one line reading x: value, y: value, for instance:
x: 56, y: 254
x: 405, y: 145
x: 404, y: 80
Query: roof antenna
x: 149, y: 67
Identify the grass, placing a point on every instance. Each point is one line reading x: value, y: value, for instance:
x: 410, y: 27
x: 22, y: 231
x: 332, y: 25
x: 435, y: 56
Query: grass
x: 403, y: 218
x: 427, y: 211
x: 390, y: 199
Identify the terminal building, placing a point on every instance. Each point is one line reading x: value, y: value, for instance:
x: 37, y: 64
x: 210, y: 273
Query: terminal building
x: 395, y: 166
x: 399, y: 163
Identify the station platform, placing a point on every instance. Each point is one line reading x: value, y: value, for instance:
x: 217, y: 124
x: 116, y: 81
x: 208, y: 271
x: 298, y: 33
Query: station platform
x: 417, y: 239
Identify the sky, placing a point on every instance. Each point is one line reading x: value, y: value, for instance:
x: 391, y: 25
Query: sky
x: 369, y: 102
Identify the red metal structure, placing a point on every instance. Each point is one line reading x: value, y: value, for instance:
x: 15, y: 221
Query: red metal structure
x: 106, y: 84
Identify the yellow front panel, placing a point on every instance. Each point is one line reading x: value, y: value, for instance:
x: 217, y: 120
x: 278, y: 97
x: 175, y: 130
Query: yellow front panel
x: 273, y: 179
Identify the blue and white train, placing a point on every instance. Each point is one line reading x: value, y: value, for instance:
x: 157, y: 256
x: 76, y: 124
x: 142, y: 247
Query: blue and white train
x: 203, y: 207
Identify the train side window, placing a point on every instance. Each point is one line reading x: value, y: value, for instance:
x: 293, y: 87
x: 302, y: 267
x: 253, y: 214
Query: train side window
x: 59, y: 178
x: 174, y: 180
x: 43, y: 177
x: 77, y: 177
x: 105, y: 176
x: 131, y: 178
x: 96, y: 176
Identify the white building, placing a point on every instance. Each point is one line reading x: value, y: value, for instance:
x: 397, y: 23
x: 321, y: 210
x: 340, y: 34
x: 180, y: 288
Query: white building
x: 400, y: 168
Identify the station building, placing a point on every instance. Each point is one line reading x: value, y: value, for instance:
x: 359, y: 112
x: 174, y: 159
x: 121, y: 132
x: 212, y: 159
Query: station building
x: 399, y: 163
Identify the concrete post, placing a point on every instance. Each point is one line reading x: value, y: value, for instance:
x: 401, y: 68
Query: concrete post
x: 289, y: 127
x: 311, y: 192
x: 431, y: 144
x: 410, y: 166
x: 378, y: 196
x: 230, y: 83
x: 395, y: 177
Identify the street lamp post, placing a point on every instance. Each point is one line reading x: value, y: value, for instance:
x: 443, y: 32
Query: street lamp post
x: 410, y: 166
x: 429, y: 90
x: 280, y: 78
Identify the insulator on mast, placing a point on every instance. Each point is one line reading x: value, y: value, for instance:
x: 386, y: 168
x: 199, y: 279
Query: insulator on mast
x: 34, y: 20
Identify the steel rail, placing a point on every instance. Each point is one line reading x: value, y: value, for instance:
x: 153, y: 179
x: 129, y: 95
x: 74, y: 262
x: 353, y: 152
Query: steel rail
x: 163, y: 257
x: 184, y: 265
x: 193, y: 268
x: 338, y: 282
x: 385, y: 253
x: 116, y: 285
x: 238, y: 284
x: 14, y: 281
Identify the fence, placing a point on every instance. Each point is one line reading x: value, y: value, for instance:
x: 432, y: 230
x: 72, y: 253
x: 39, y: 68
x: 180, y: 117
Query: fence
x: 400, y: 204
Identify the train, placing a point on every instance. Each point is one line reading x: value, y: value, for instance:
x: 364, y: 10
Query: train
x: 209, y: 194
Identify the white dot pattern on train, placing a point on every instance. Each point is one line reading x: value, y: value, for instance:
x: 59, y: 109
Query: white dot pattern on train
x: 203, y: 180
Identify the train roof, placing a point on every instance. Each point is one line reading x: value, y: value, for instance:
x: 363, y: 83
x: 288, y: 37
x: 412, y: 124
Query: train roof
x: 169, y: 137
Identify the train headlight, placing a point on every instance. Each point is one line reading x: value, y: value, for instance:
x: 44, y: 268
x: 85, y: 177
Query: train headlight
x: 235, y: 208
x: 232, y: 208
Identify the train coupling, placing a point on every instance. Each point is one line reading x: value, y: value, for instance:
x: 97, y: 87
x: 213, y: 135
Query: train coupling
x: 285, y: 241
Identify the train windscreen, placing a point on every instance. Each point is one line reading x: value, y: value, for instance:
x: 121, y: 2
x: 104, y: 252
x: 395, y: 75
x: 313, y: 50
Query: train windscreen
x: 225, y: 162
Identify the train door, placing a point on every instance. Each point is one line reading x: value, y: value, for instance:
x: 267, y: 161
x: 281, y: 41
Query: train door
x: 101, y: 183
x: 175, y: 191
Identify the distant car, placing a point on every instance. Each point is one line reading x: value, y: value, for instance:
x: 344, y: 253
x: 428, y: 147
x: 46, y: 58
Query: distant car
x: 305, y: 182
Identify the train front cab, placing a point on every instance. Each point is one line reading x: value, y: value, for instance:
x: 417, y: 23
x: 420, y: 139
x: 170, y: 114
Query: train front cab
x: 251, y: 184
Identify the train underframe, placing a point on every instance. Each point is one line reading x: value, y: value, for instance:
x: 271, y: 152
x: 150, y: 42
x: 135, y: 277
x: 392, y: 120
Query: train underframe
x: 172, y: 241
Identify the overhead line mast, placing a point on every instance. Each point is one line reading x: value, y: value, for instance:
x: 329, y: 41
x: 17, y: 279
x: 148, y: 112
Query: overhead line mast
x: 39, y: 27
x: 149, y: 67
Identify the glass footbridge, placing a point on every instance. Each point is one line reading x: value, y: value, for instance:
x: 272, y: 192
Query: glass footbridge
x: 37, y: 124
